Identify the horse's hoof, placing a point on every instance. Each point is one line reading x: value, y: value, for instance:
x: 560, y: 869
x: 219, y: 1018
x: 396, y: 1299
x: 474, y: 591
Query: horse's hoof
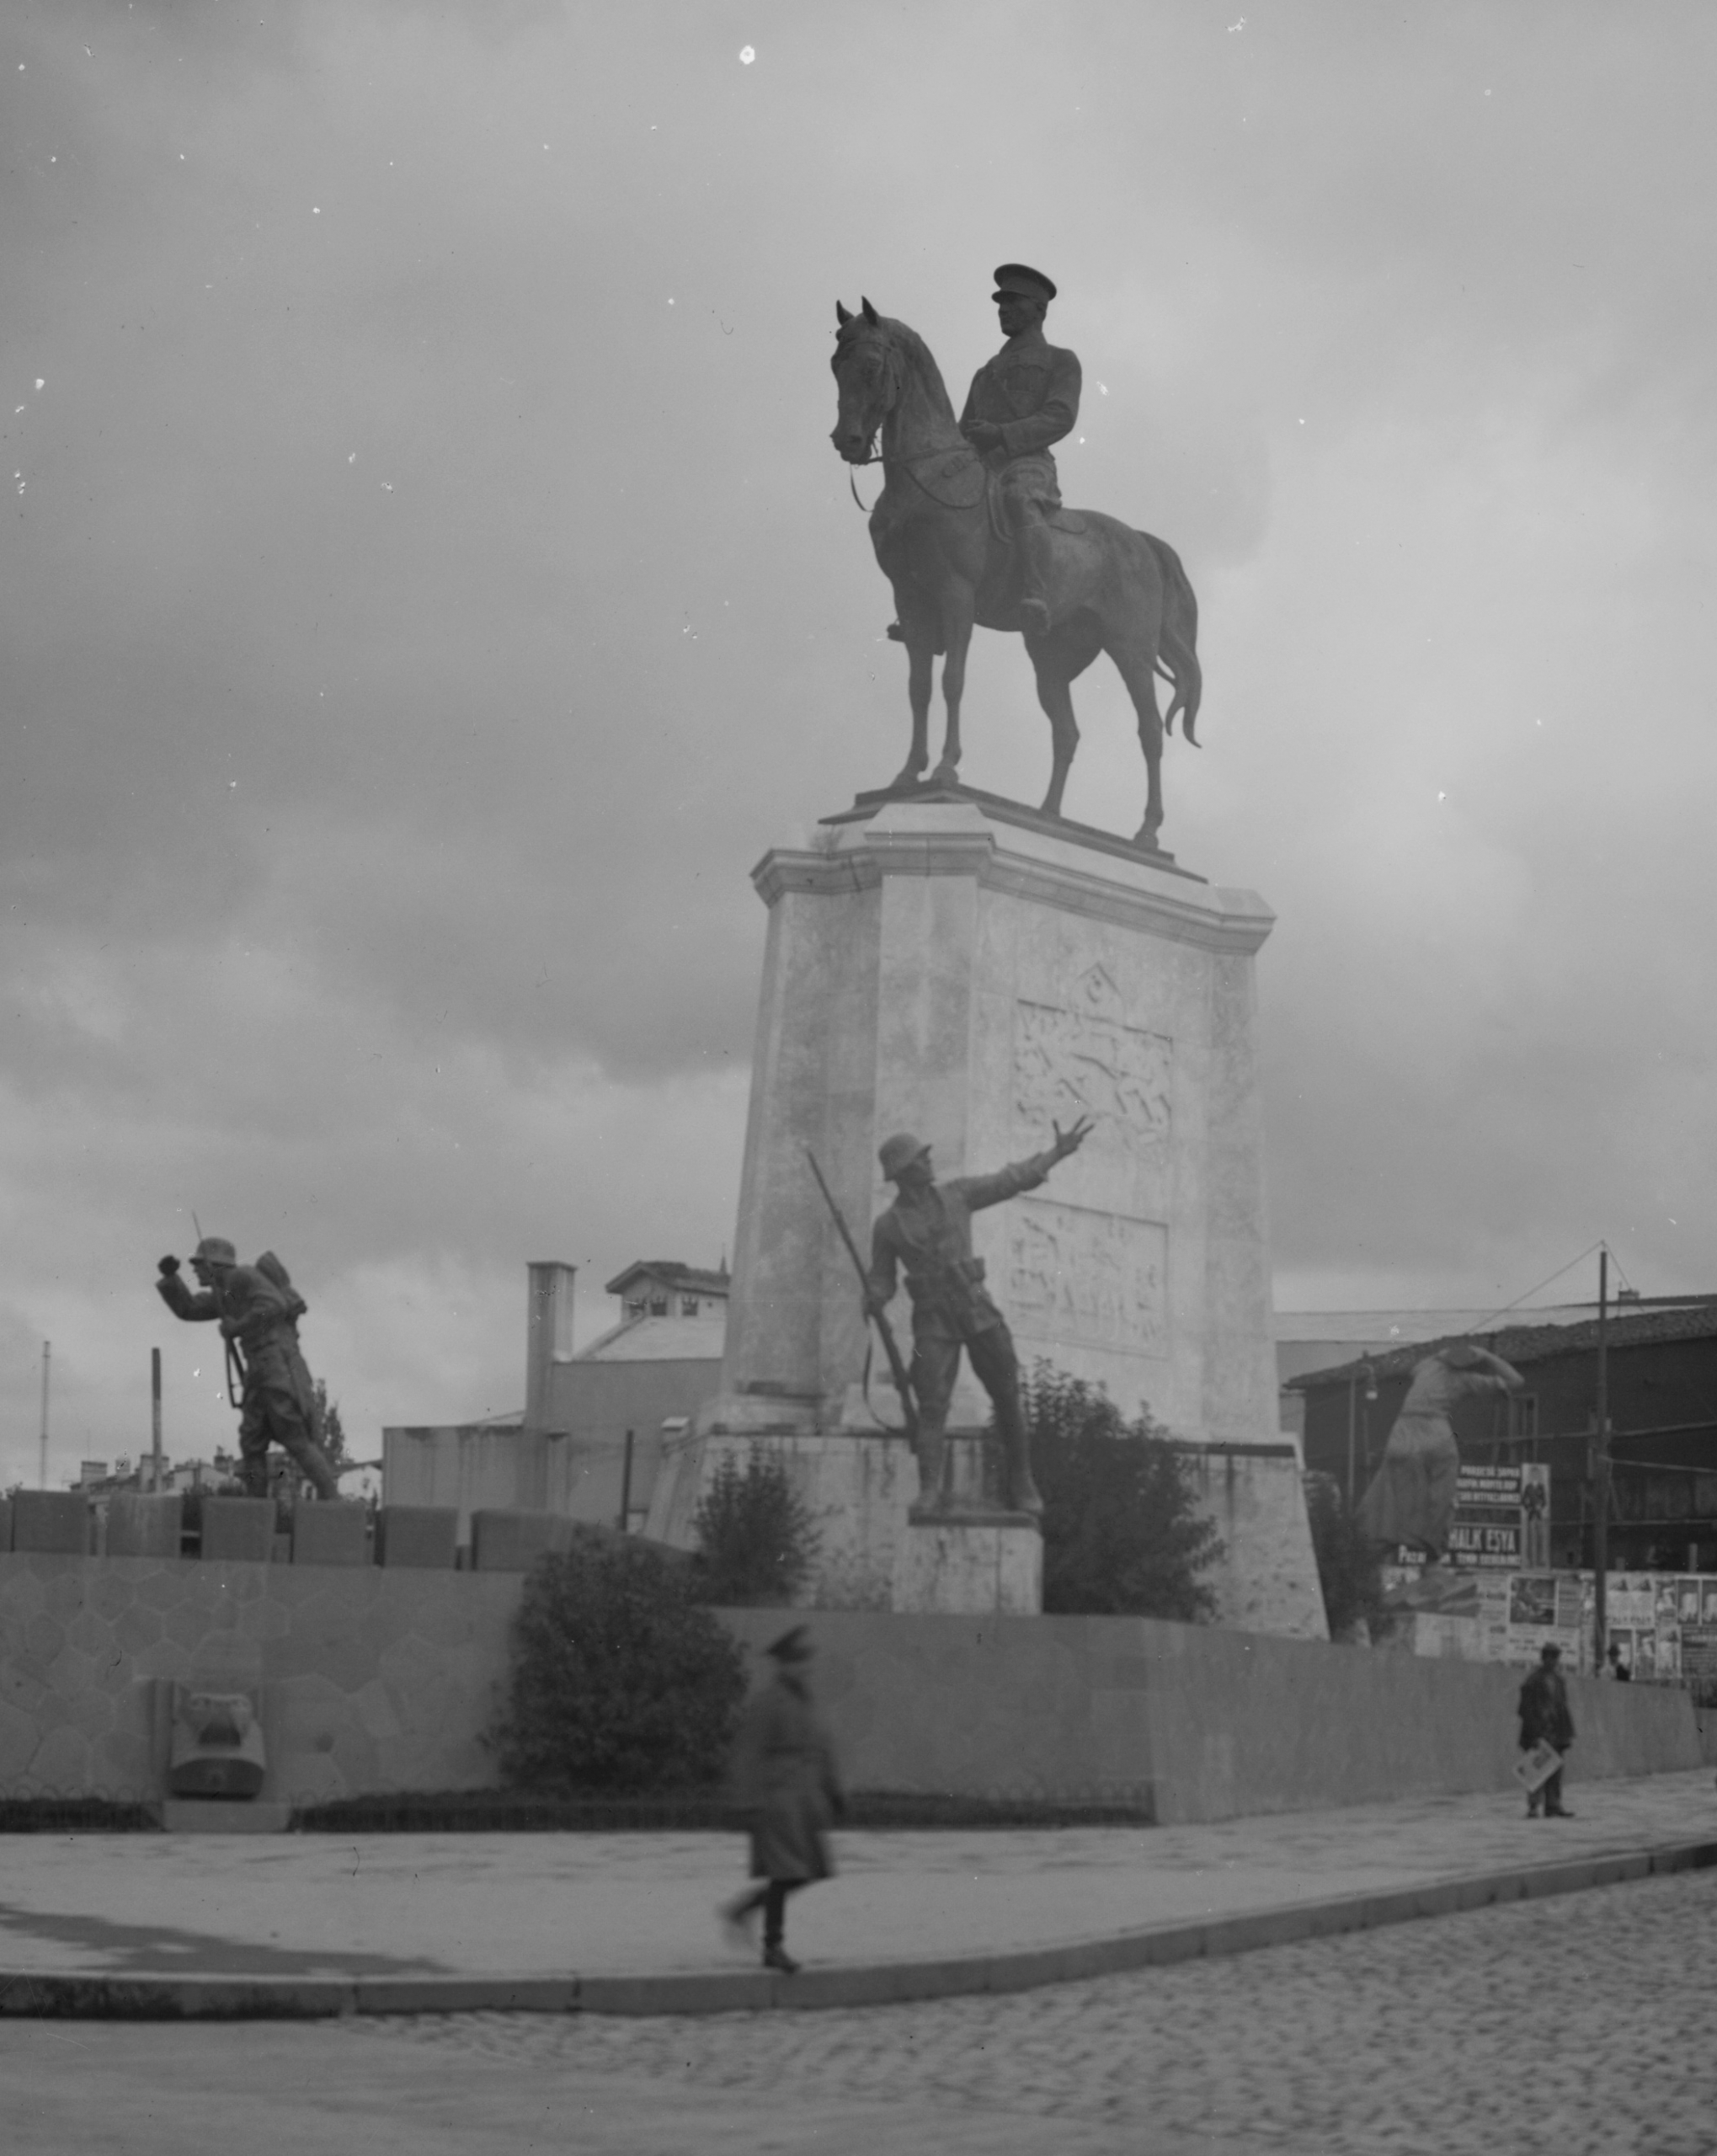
x: 907, y: 780
x: 1145, y: 839
x: 945, y: 774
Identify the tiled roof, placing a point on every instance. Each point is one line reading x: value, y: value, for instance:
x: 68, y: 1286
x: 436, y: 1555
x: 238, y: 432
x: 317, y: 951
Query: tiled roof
x: 661, y: 1340
x: 672, y: 1273
x: 1520, y: 1344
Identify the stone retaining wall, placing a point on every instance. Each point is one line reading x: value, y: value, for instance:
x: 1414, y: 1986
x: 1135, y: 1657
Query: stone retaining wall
x: 381, y: 1680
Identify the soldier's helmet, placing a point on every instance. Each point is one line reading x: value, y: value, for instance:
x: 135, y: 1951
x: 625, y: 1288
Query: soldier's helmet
x: 898, y: 1151
x: 214, y: 1250
x: 1029, y: 284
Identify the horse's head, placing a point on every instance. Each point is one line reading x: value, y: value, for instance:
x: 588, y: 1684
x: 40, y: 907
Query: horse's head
x: 867, y: 372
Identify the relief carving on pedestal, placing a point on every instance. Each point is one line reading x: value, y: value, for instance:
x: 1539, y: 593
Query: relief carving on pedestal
x: 1080, y: 1058
x: 1091, y: 1279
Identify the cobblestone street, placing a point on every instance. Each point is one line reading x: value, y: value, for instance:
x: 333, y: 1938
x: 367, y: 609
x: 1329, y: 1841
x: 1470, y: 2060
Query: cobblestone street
x: 1578, y: 2025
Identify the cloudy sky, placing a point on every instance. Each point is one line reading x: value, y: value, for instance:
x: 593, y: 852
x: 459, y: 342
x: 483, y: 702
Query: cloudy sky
x: 428, y: 588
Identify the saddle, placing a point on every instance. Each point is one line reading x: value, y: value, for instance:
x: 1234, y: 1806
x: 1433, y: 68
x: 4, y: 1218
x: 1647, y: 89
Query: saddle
x: 1058, y: 518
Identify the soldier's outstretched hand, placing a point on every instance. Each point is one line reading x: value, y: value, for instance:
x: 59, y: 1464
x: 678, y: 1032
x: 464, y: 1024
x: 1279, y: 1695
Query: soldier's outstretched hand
x: 1070, y: 1139
x: 167, y: 1265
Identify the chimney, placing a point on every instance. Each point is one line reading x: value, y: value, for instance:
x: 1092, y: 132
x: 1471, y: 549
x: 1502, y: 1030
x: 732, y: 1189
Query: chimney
x: 548, y: 1337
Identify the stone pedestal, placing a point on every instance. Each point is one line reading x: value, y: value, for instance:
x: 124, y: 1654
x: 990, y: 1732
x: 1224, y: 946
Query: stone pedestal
x: 971, y: 971
x: 960, y: 967
x: 954, y: 1564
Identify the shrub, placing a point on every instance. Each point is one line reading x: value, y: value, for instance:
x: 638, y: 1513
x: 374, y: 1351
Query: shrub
x: 1123, y: 1534
x: 1350, y: 1565
x: 621, y: 1680
x: 757, y: 1541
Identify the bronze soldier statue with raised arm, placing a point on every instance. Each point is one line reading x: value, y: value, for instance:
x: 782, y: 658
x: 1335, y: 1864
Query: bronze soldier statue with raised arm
x: 1019, y: 403
x: 926, y: 1233
x: 258, y: 1309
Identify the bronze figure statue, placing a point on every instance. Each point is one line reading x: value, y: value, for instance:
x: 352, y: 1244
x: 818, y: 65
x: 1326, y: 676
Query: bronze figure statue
x: 258, y: 1309
x: 969, y: 530
x: 926, y: 1234
x: 1412, y: 1496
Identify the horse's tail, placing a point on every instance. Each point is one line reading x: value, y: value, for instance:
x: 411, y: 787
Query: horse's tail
x: 1177, y: 655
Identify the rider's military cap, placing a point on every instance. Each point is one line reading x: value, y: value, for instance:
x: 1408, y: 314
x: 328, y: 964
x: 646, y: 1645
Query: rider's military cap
x: 215, y: 1250
x: 1029, y: 284
x: 898, y: 1151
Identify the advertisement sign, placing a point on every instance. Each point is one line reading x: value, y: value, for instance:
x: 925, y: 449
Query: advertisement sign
x: 1501, y: 1518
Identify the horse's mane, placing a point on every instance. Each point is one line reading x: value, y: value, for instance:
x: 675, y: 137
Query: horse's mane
x: 921, y: 356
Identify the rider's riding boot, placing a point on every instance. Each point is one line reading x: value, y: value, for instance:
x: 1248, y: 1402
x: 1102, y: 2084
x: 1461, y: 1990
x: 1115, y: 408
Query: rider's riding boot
x: 1034, y: 571
x: 932, y: 1471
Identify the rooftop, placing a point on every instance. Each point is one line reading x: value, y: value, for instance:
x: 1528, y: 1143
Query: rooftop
x: 1526, y: 1337
x: 672, y: 1274
x: 661, y: 1340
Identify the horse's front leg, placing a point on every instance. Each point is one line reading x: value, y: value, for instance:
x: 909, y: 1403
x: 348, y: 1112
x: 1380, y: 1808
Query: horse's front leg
x: 959, y: 603
x: 918, y: 632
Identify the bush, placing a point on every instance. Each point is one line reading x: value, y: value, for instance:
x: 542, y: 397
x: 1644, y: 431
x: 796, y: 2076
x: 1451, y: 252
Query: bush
x: 757, y: 1541
x: 1123, y: 1536
x: 620, y: 1681
x: 1350, y: 1565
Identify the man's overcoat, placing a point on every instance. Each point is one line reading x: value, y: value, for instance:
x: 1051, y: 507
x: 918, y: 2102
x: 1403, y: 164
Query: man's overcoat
x: 784, y: 1774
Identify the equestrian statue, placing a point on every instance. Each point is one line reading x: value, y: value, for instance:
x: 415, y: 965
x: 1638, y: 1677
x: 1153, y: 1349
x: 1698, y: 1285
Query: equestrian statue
x: 969, y: 530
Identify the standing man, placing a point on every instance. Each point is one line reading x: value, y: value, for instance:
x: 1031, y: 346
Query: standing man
x: 257, y: 1309
x: 785, y: 1779
x: 1545, y: 1719
x: 927, y: 1233
x: 1021, y: 402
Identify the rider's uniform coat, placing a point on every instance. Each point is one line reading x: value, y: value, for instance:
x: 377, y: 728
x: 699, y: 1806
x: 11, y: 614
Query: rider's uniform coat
x: 1031, y: 390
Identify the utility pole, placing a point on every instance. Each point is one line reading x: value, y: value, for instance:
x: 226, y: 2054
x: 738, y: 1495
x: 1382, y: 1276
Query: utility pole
x: 1601, y: 1465
x: 626, y: 1485
x: 155, y: 1418
x: 42, y: 1476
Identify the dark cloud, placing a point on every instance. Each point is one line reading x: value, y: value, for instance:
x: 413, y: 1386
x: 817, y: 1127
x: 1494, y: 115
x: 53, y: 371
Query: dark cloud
x: 428, y: 589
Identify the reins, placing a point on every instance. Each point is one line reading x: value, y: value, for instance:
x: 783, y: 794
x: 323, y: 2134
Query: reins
x: 924, y: 457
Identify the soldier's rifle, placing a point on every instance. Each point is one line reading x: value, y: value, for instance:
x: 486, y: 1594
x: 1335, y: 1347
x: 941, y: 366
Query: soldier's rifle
x: 896, y: 1367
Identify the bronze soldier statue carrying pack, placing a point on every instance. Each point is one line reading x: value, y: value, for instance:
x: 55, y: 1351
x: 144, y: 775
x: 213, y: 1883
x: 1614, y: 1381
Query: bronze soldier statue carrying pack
x: 258, y: 1309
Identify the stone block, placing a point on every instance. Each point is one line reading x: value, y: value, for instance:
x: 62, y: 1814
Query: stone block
x: 956, y: 1567
x: 191, y: 1815
x: 423, y: 1536
x: 238, y: 1527
x: 53, y: 1522
x: 140, y: 1525
x: 513, y: 1541
x: 331, y: 1534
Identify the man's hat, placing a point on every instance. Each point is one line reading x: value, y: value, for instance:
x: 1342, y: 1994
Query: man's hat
x: 898, y: 1151
x: 791, y: 1647
x: 214, y: 1250
x: 1549, y: 1651
x: 1029, y: 284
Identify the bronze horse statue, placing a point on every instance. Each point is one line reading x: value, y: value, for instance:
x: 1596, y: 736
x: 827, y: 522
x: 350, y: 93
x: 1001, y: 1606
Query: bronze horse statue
x: 944, y: 549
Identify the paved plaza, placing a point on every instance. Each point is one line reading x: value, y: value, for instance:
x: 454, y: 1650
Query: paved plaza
x: 1576, y: 2026
x: 492, y: 1907
x: 1574, y: 2023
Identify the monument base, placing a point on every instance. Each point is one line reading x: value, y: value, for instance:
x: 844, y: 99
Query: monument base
x: 953, y: 1564
x: 875, y: 1551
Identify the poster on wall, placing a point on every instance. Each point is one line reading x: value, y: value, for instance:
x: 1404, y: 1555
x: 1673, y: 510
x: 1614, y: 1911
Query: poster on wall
x: 1698, y: 1650
x: 1501, y: 1518
x: 1532, y: 1600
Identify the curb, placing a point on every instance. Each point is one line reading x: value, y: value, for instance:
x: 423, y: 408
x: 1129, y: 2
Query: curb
x: 85, y: 1997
